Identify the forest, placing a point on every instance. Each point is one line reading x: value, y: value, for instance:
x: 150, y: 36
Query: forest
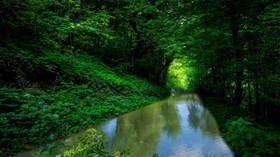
x: 66, y: 65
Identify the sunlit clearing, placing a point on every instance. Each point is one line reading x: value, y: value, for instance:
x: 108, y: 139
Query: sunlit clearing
x: 180, y: 74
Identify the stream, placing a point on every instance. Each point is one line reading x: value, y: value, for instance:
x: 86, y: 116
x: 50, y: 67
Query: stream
x: 176, y: 127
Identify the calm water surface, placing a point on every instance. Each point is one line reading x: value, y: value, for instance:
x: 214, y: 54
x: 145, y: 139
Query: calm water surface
x: 176, y: 127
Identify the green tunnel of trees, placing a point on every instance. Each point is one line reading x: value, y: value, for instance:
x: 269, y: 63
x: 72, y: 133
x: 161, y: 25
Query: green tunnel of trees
x: 229, y: 48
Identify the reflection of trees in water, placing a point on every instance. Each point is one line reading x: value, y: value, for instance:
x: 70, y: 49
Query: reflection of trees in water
x: 193, y: 97
x: 200, y: 118
x: 172, y: 121
x: 141, y: 130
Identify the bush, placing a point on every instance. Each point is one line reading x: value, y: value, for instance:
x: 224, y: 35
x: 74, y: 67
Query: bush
x: 91, y: 145
x: 248, y: 140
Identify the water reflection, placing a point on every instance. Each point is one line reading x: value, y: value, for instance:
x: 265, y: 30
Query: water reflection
x: 172, y: 122
x: 138, y: 131
x: 178, y: 126
x: 200, y: 118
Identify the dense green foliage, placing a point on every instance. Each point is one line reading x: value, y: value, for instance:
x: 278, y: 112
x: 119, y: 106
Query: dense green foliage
x: 91, y: 145
x: 244, y: 135
x: 52, y: 86
x: 234, y: 51
x: 255, y: 140
x: 231, y: 51
x: 81, y: 96
x: 71, y: 63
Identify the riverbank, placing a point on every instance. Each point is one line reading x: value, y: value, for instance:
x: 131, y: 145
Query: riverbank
x: 70, y: 93
x: 245, y: 135
x: 160, y: 128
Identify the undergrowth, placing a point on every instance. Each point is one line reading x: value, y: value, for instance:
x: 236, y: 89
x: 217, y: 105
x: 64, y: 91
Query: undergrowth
x: 82, y: 92
x: 91, y: 144
x: 245, y: 136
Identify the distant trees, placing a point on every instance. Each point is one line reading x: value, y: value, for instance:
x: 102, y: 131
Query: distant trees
x: 233, y: 45
x: 235, y: 49
x: 122, y: 33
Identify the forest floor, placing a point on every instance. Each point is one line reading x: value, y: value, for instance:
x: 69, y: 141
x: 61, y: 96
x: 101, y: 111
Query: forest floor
x: 85, y: 92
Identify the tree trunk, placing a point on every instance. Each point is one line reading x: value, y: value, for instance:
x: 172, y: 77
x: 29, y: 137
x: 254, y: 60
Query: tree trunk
x: 257, y: 94
x: 250, y: 95
x: 136, y: 52
x: 238, y: 56
x: 163, y: 74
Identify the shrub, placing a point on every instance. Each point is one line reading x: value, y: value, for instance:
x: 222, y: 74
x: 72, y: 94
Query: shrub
x: 247, y: 139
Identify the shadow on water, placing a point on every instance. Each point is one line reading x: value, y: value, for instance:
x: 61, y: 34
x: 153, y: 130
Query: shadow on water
x: 176, y: 127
